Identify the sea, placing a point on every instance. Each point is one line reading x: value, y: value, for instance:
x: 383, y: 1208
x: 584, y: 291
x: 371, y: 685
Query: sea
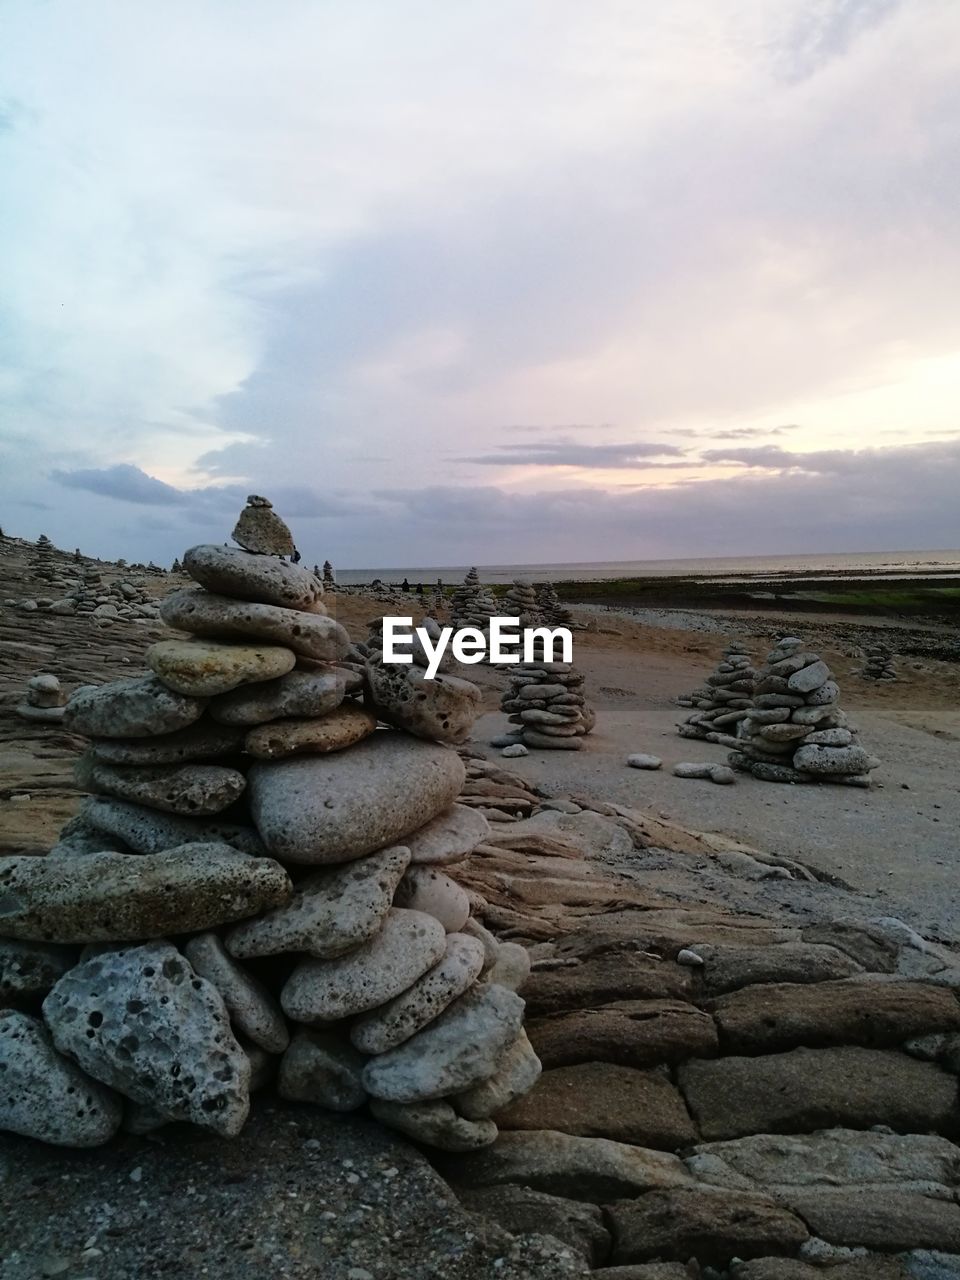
x: 835, y: 566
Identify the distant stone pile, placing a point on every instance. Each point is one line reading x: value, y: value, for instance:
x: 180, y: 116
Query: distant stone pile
x: 245, y: 755
x: 795, y: 731
x: 520, y: 601
x: 473, y: 605
x: 43, y: 563
x: 44, y: 699
x: 879, y: 663
x: 329, y: 577
x: 546, y: 700
x: 551, y: 608
x: 726, y: 697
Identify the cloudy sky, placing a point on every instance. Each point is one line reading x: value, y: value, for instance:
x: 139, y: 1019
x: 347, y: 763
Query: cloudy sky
x: 511, y: 281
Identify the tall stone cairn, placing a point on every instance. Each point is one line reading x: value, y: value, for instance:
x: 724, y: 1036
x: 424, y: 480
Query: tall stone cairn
x: 546, y: 700
x: 472, y: 604
x: 520, y: 601
x: 329, y: 577
x: 725, y: 699
x: 551, y: 608
x: 796, y: 731
x: 878, y: 664
x: 290, y: 914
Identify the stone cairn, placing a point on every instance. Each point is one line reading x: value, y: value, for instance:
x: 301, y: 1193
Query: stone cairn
x: 290, y: 913
x: 725, y: 699
x: 546, y: 700
x: 43, y: 563
x: 329, y: 577
x: 795, y: 731
x: 473, y: 605
x: 551, y: 608
x: 520, y: 601
x: 44, y: 699
x: 879, y: 663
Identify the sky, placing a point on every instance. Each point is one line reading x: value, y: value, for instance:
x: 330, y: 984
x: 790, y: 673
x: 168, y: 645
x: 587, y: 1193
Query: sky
x: 512, y: 282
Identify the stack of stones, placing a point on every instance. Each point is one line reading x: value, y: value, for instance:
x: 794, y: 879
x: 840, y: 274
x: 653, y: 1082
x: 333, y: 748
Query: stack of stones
x: 329, y: 577
x: 795, y: 731
x: 439, y: 599
x: 290, y: 912
x: 126, y: 599
x: 551, y: 608
x: 472, y: 604
x: 879, y: 663
x: 44, y: 701
x: 43, y: 562
x: 726, y: 698
x: 520, y: 601
x: 546, y: 700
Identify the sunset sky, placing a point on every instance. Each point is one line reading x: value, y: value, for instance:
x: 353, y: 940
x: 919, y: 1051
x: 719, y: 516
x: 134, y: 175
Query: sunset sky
x: 500, y: 282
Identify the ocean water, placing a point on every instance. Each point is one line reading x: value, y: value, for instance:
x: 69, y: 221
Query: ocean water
x: 880, y: 564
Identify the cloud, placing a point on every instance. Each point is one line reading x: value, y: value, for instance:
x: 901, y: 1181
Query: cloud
x: 751, y: 433
x: 122, y: 481
x: 562, y: 454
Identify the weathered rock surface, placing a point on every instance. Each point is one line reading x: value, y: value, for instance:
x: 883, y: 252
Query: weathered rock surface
x: 198, y: 790
x: 518, y: 1209
x: 810, y: 1089
x: 639, y: 1033
x: 322, y: 1068
x: 298, y: 693
x: 248, y: 577
x: 45, y: 1096
x: 337, y: 807
x: 140, y: 1020
x: 260, y: 529
x: 682, y: 1222
x: 110, y: 897
x: 606, y: 977
x: 200, y: 741
x: 518, y: 1071
x: 252, y: 1009
x: 137, y: 708
x: 390, y: 1025
x: 448, y: 837
x: 330, y: 913
x: 321, y: 991
x: 604, y: 1100
x: 147, y: 831
x: 465, y: 1045
x: 336, y: 731
x: 887, y: 1220
x: 766, y: 1018
x: 205, y: 668
x: 435, y: 1123
x: 730, y: 968
x: 592, y: 1169
x: 442, y: 709
x: 29, y: 969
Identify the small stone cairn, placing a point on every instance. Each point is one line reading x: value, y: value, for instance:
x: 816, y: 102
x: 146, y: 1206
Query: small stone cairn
x: 520, y: 601
x: 879, y: 663
x: 289, y: 913
x: 795, y: 731
x: 473, y: 605
x: 546, y: 700
x: 725, y: 699
x: 44, y: 700
x: 551, y: 608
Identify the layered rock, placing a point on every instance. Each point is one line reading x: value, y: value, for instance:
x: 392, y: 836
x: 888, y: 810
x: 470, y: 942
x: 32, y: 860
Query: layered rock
x: 269, y: 796
x: 726, y: 697
x: 796, y: 731
x: 546, y: 700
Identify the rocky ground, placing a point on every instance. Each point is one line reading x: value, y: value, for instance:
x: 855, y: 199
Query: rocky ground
x: 750, y: 1069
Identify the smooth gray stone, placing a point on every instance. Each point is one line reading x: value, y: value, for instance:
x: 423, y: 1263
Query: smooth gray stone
x: 148, y: 831
x: 448, y: 837
x: 137, y: 708
x: 81, y: 836
x: 435, y: 1124
x: 45, y: 1096
x: 263, y: 579
x: 465, y: 1045
x: 201, y: 741
x: 314, y: 635
x: 253, y: 1010
x: 299, y: 693
x: 810, y: 677
x: 334, y: 808
x: 141, y: 1021
x: 110, y: 897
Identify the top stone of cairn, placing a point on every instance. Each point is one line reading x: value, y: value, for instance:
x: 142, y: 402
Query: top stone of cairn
x: 260, y: 529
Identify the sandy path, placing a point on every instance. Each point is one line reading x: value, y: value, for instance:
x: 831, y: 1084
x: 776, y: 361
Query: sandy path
x: 901, y: 847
